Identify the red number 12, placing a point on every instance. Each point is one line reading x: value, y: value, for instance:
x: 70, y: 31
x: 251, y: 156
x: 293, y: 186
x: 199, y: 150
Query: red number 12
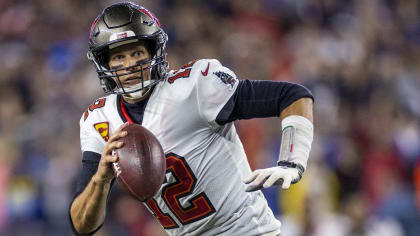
x: 199, y: 206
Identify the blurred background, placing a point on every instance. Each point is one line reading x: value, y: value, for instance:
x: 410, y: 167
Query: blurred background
x: 360, y: 58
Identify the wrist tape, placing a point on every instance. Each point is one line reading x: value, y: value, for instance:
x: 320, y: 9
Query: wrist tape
x: 297, y: 136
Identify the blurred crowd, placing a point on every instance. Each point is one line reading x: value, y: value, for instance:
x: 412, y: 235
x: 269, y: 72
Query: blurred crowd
x: 360, y: 58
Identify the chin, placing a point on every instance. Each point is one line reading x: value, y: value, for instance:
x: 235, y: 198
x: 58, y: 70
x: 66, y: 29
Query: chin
x: 136, y: 96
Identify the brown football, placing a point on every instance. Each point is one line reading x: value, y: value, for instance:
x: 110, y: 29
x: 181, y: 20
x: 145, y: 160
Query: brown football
x: 140, y: 168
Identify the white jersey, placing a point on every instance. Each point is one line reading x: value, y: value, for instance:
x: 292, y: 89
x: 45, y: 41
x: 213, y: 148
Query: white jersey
x: 206, y: 163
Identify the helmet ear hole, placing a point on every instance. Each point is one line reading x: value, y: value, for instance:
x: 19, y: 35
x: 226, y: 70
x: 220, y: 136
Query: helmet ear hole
x: 151, y: 47
x: 103, y: 58
x: 155, y: 74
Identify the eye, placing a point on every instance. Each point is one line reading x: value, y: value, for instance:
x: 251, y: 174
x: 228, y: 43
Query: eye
x: 117, y: 57
x: 138, y: 53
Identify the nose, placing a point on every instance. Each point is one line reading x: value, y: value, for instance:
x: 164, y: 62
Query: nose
x: 131, y: 62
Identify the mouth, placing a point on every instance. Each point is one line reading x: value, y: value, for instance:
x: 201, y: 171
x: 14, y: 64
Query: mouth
x: 132, y: 80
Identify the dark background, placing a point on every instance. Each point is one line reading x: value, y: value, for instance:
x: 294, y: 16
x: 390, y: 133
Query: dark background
x: 361, y: 59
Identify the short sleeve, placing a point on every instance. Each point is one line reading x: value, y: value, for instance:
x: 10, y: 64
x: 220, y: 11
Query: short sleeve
x: 215, y: 86
x: 90, y: 140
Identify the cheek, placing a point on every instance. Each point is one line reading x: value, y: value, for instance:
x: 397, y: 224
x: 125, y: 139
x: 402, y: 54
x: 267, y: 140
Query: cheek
x: 115, y: 65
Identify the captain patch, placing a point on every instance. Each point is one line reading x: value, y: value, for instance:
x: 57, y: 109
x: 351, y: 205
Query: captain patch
x: 103, y: 129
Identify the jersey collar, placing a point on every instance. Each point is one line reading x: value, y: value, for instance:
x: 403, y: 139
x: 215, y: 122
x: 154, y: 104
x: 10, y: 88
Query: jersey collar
x: 122, y: 111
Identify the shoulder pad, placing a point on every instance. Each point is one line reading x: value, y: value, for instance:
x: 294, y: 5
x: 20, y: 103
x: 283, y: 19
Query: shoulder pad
x: 97, y: 104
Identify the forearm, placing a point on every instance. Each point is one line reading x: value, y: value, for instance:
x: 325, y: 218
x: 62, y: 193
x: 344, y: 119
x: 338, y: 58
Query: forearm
x: 297, y: 134
x: 302, y: 107
x: 88, y: 209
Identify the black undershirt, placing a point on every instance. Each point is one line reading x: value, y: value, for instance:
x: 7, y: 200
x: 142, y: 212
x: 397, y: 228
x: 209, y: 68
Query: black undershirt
x: 136, y: 110
x: 259, y: 99
x: 252, y: 99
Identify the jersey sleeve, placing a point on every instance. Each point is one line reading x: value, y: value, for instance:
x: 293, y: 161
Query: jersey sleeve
x: 90, y: 139
x: 215, y: 86
x: 261, y: 98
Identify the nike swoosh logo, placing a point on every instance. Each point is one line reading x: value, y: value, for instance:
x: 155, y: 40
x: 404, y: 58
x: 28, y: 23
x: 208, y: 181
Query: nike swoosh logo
x: 204, y: 73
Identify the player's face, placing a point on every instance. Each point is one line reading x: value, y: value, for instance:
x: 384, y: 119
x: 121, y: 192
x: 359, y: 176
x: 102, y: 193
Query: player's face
x: 128, y: 56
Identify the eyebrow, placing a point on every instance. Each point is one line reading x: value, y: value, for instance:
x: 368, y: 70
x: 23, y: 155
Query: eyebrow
x: 118, y: 53
x: 139, y: 49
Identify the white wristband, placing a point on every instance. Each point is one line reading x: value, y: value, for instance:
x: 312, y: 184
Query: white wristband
x: 297, y: 136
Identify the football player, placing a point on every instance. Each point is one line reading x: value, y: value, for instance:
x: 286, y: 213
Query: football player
x: 211, y: 189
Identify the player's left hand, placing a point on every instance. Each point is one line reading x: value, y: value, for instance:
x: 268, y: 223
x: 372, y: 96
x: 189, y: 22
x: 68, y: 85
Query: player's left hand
x: 265, y: 178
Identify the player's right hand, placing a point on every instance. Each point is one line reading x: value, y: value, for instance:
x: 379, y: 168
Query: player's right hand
x: 105, y: 172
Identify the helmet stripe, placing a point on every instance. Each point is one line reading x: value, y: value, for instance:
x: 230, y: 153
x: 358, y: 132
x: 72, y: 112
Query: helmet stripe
x: 93, y: 26
x: 150, y: 14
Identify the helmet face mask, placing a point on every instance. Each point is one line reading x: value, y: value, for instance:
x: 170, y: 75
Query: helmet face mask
x: 110, y: 78
x: 122, y: 24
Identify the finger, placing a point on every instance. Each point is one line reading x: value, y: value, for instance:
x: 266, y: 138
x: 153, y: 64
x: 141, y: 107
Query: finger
x: 109, y: 159
x: 261, y: 178
x: 254, y: 187
x: 258, y: 181
x: 251, y: 177
x: 117, y: 135
x: 114, y: 145
x: 113, y: 157
x: 111, y: 146
x: 124, y: 125
x: 287, y: 180
x: 271, y: 180
x: 251, y: 188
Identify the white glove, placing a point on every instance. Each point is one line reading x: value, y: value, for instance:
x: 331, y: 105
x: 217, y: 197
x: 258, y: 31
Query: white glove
x: 265, y: 178
x: 297, y: 136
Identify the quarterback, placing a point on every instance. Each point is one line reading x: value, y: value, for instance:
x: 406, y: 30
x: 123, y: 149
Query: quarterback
x: 210, y: 188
